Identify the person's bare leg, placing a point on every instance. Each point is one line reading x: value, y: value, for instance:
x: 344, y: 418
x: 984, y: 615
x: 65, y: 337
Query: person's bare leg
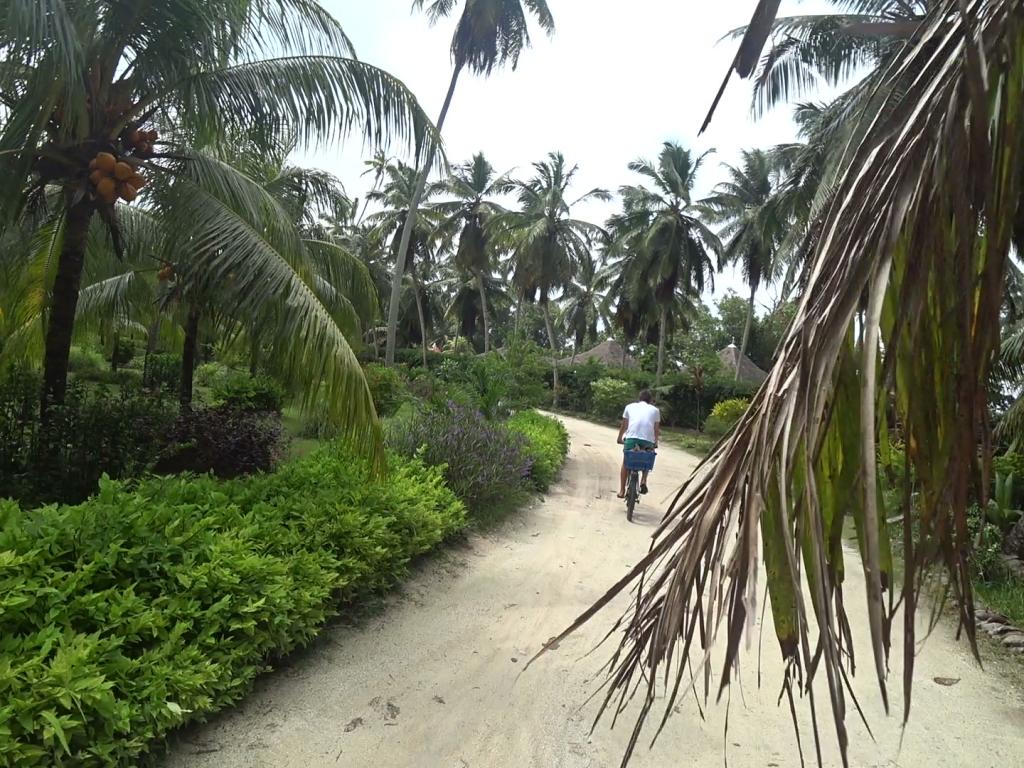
x: 643, y: 480
x: 622, y: 480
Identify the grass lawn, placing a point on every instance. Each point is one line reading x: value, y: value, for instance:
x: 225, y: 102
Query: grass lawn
x: 1005, y: 597
x: 697, y: 443
x: 291, y: 420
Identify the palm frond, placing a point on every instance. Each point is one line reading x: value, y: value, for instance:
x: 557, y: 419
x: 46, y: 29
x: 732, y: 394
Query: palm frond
x: 806, y: 451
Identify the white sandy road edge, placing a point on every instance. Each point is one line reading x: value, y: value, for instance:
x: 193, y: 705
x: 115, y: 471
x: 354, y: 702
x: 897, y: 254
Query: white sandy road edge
x: 436, y: 679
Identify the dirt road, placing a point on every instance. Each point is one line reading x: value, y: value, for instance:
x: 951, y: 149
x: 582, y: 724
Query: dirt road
x: 437, y: 679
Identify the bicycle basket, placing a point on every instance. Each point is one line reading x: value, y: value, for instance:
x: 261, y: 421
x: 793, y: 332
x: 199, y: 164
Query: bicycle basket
x: 640, y: 461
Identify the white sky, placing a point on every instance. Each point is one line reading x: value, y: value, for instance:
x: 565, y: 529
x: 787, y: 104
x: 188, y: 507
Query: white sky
x: 615, y: 81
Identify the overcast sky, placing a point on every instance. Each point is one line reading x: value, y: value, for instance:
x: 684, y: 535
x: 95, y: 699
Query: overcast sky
x: 615, y: 81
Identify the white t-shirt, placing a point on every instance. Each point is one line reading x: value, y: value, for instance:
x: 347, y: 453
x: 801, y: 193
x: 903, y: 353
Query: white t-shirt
x: 641, y: 417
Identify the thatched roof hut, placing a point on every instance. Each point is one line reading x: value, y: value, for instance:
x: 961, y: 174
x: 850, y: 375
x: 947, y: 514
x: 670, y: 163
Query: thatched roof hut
x: 609, y: 352
x: 748, y: 368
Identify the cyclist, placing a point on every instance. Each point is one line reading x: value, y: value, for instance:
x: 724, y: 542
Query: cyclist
x: 641, y: 428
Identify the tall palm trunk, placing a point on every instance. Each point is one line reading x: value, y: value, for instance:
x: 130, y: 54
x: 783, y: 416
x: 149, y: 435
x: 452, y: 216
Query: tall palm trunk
x: 483, y: 311
x: 410, y: 224
x: 746, y: 330
x: 554, y: 352
x: 422, y: 317
x: 66, y: 285
x: 662, y: 333
x: 188, y: 357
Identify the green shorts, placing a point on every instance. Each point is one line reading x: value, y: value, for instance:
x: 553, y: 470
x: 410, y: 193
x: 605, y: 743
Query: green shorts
x: 634, y: 443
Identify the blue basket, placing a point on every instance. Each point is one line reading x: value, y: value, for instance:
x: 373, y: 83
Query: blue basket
x: 640, y: 461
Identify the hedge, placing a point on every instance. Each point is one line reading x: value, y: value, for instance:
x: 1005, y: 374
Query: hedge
x: 547, y: 445
x: 145, y: 608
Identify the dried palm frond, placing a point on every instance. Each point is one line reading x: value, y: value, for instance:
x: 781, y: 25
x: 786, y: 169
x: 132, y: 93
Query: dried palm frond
x: 900, y: 317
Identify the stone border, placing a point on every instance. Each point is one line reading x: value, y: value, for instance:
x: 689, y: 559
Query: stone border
x: 1000, y: 629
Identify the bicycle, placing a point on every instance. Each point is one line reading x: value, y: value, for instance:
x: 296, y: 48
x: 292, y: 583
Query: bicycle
x: 637, y: 461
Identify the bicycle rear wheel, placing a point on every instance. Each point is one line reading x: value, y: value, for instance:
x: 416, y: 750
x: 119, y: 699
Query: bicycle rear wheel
x: 632, y: 493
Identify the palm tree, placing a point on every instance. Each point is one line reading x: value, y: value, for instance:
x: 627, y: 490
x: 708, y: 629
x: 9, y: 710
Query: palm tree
x: 489, y: 34
x: 752, y: 225
x: 809, y: 50
x: 546, y: 244
x: 473, y: 184
x: 584, y: 304
x: 398, y: 190
x: 92, y: 84
x: 663, y: 242
x: 890, y: 298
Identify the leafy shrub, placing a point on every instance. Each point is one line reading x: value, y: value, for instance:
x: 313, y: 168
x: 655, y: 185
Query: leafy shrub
x: 387, y: 388
x: 479, y: 382
x: 610, y: 397
x: 85, y: 361
x: 123, y: 352
x: 229, y: 442
x: 725, y: 415
x: 125, y: 377
x: 209, y: 374
x: 484, y: 463
x: 685, y: 404
x: 240, y: 391
x: 95, y: 432
x: 547, y: 444
x: 143, y: 610
x: 163, y: 371
x: 576, y: 383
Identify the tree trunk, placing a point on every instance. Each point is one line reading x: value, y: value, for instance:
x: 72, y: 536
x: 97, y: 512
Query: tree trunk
x: 64, y: 304
x: 254, y: 356
x: 483, y: 312
x: 554, y: 354
x: 188, y: 357
x: 422, y: 317
x: 519, y: 311
x: 746, y: 330
x: 410, y: 224
x: 662, y: 333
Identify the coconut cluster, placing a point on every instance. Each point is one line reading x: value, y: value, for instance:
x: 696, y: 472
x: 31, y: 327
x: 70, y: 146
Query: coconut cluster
x: 113, y: 178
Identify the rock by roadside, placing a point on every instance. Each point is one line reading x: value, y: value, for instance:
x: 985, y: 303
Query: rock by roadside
x: 998, y: 627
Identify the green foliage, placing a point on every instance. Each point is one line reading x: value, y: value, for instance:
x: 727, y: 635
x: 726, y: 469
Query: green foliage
x: 528, y: 371
x: 1011, y: 463
x: 225, y: 441
x: 84, y: 361
x: 95, y: 432
x: 724, y: 416
x: 387, y: 387
x: 145, y: 609
x: 684, y: 404
x: 547, y: 444
x: 576, y: 384
x: 1002, y: 511
x: 163, y: 371
x: 240, y: 391
x: 487, y: 465
x: 611, y: 396
x: 208, y: 374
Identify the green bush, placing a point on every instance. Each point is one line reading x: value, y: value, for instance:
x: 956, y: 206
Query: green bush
x: 576, y: 384
x: 240, y: 391
x: 86, y: 361
x: 163, y: 371
x: 484, y: 463
x: 125, y: 377
x: 611, y: 396
x: 547, y: 445
x: 208, y: 374
x: 95, y: 432
x: 686, y: 405
x: 725, y: 415
x: 142, y: 610
x: 387, y: 388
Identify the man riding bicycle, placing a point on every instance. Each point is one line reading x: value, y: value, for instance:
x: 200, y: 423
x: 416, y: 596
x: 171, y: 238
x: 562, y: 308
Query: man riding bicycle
x: 640, y: 429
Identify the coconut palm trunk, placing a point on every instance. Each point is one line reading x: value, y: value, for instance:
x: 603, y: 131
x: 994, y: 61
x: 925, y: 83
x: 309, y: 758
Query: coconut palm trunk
x: 746, y: 329
x: 410, y: 224
x: 554, y: 352
x: 66, y: 285
x: 662, y: 333
x: 483, y: 312
x: 417, y: 293
x: 188, y: 358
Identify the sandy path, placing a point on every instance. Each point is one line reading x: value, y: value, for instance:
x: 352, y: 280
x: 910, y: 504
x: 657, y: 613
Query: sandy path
x: 436, y: 679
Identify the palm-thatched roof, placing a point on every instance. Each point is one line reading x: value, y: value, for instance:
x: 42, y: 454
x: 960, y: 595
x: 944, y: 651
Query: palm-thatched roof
x: 748, y: 368
x: 609, y: 352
